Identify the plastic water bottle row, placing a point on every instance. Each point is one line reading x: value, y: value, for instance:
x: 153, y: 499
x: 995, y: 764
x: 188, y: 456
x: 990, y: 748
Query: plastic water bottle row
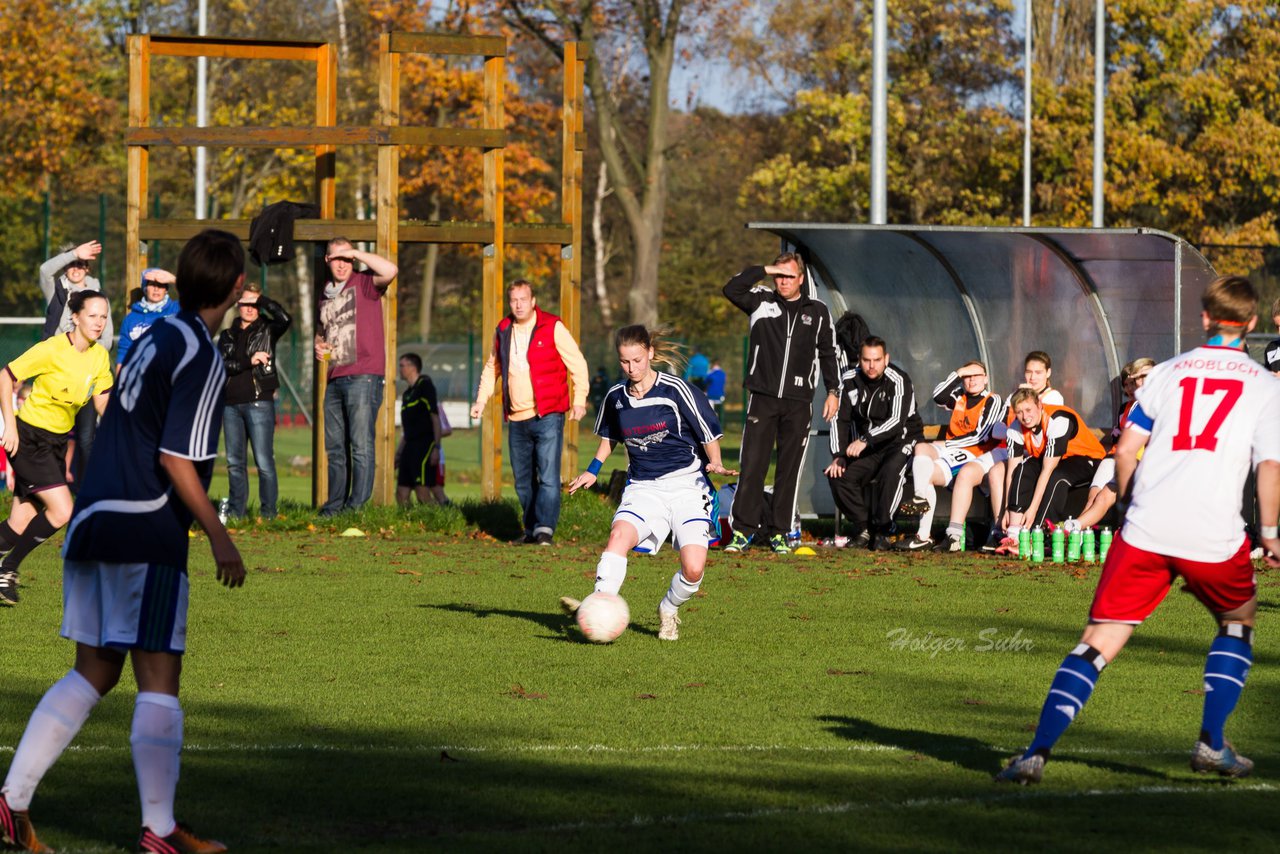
x: 1068, y: 543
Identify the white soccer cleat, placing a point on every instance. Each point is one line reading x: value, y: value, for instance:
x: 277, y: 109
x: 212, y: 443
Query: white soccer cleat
x: 668, y: 625
x: 1023, y: 770
x: 1225, y: 762
x: 569, y: 605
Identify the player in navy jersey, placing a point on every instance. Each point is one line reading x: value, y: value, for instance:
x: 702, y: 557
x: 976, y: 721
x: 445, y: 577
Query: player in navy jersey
x: 125, y: 575
x: 1202, y: 420
x: 673, y: 442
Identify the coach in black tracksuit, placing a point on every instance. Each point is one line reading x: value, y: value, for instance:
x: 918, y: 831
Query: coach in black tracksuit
x: 873, y: 439
x: 788, y: 331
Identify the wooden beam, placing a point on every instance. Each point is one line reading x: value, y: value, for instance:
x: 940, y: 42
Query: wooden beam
x: 572, y: 136
x: 388, y: 223
x: 305, y: 137
x: 442, y: 44
x: 138, y: 156
x: 493, y: 294
x: 365, y: 231
x: 218, y: 46
x: 325, y: 188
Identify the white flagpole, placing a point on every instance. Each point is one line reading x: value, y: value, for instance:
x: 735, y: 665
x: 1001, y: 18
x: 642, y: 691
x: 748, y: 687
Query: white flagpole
x: 879, y: 66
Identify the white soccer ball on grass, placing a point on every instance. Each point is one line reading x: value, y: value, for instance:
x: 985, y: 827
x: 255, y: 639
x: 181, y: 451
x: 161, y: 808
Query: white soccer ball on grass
x: 603, y: 616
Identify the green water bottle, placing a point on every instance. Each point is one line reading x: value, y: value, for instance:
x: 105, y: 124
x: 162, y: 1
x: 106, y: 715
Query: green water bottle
x: 1059, y: 545
x: 1024, y: 544
x: 962, y: 537
x: 1089, y: 547
x: 1104, y: 540
x: 1037, y: 544
x: 1074, y: 541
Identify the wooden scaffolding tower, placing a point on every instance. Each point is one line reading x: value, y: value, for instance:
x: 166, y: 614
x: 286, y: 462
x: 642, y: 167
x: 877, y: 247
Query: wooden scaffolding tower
x: 386, y: 230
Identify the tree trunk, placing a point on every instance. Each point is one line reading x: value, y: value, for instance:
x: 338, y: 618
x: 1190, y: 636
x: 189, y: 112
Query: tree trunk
x: 305, y: 316
x: 602, y: 247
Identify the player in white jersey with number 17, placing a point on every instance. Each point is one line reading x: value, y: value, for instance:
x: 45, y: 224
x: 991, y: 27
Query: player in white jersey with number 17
x: 1204, y: 418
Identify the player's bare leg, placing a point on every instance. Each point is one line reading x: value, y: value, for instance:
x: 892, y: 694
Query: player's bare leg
x: 684, y: 584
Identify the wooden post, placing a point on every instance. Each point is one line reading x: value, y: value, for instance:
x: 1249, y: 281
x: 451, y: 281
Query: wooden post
x: 384, y: 481
x: 326, y: 197
x: 493, y: 294
x: 138, y: 156
x: 571, y: 214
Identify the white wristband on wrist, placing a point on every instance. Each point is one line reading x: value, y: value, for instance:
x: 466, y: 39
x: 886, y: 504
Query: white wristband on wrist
x: 1270, y: 532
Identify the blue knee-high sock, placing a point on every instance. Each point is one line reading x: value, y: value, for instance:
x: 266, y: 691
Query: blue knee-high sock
x: 1225, y: 670
x: 1070, y: 690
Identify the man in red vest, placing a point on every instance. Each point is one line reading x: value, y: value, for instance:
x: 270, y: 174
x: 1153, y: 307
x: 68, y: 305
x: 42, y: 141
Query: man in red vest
x: 537, y: 356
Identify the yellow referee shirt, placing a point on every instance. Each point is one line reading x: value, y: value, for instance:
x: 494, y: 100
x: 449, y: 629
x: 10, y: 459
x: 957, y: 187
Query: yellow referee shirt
x: 65, y: 379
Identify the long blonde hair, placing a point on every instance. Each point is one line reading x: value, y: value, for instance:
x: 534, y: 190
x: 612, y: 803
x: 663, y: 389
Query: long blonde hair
x: 665, y: 350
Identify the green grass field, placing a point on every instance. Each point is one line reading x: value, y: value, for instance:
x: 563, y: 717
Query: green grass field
x: 417, y: 690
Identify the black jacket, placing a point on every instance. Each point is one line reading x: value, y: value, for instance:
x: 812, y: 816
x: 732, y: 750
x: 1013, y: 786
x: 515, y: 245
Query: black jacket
x: 247, y: 382
x: 785, y: 339
x: 271, y: 232
x: 880, y: 412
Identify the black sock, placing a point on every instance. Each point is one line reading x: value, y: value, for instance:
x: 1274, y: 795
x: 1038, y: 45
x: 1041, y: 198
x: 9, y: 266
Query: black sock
x: 38, y: 530
x: 7, y: 536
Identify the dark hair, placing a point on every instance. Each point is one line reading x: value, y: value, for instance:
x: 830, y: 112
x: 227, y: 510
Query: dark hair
x: 872, y: 341
x: 664, y: 349
x: 208, y: 268
x: 1038, y: 356
x: 413, y: 359
x: 77, y: 299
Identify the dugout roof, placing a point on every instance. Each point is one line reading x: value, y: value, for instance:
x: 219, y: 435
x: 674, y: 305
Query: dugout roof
x: 1093, y: 299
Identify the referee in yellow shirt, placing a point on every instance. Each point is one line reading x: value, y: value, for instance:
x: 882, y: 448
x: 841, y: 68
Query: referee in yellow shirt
x: 67, y: 371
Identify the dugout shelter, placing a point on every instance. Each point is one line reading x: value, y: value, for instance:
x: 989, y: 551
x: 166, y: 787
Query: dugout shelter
x: 1093, y: 299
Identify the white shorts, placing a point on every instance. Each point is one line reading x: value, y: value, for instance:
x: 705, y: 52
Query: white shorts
x: 951, y: 460
x: 682, y: 506
x: 991, y: 457
x: 1105, y: 473
x: 125, y: 605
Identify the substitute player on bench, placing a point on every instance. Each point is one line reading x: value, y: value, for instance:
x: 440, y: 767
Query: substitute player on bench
x: 125, y: 575
x: 1202, y: 419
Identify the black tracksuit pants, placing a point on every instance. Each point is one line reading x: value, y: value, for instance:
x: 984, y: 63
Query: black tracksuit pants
x: 1070, y: 472
x: 770, y: 421
x: 872, y: 508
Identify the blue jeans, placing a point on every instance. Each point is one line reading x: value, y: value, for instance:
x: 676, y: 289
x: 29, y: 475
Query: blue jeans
x: 535, y: 465
x: 258, y: 421
x: 350, y: 411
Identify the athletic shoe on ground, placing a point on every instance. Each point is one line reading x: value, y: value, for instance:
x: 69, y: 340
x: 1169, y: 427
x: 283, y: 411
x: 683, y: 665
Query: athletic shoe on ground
x: 1023, y: 770
x: 779, y: 545
x: 993, y: 541
x: 181, y: 841
x: 524, y: 540
x: 16, y: 832
x: 8, y: 588
x: 739, y: 543
x: 569, y: 605
x: 914, y: 544
x: 1225, y: 762
x: 668, y: 625
x: 1008, y: 546
x: 880, y: 543
x: 542, y: 538
x: 950, y: 543
x: 913, y: 507
x: 863, y: 540
x: 1258, y: 553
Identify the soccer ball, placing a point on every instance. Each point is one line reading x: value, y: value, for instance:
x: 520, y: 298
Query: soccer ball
x: 603, y: 616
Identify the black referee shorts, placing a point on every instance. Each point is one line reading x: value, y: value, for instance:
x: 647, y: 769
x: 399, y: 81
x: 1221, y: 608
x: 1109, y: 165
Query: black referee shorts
x: 41, y: 461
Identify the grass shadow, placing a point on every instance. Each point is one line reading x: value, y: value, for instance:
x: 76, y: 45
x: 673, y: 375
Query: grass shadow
x: 499, y: 519
x: 970, y: 753
x: 555, y: 622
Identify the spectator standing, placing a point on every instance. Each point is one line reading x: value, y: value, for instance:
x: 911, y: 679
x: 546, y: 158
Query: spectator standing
x: 716, y: 380
x: 788, y: 331
x: 248, y: 348
x: 536, y: 357
x: 418, y: 455
x: 61, y: 276
x: 873, y: 439
x: 153, y: 305
x: 352, y: 345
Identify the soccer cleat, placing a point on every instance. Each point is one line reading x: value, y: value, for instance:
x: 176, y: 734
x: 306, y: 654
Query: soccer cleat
x: 993, y: 541
x: 8, y: 588
x: 569, y: 605
x: 914, y: 544
x: 1023, y: 770
x: 778, y: 544
x: 880, y: 543
x: 740, y: 542
x: 1225, y: 762
x: 913, y: 507
x: 182, y: 841
x: 668, y: 625
x: 950, y: 544
x: 1008, y: 546
x: 16, y: 832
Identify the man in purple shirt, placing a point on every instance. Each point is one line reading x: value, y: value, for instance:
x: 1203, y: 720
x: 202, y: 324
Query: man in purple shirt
x: 351, y: 344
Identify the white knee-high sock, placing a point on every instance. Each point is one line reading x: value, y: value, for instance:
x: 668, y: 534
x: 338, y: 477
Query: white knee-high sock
x: 157, y: 743
x: 922, y: 476
x: 611, y: 571
x: 681, y: 591
x: 58, y: 717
